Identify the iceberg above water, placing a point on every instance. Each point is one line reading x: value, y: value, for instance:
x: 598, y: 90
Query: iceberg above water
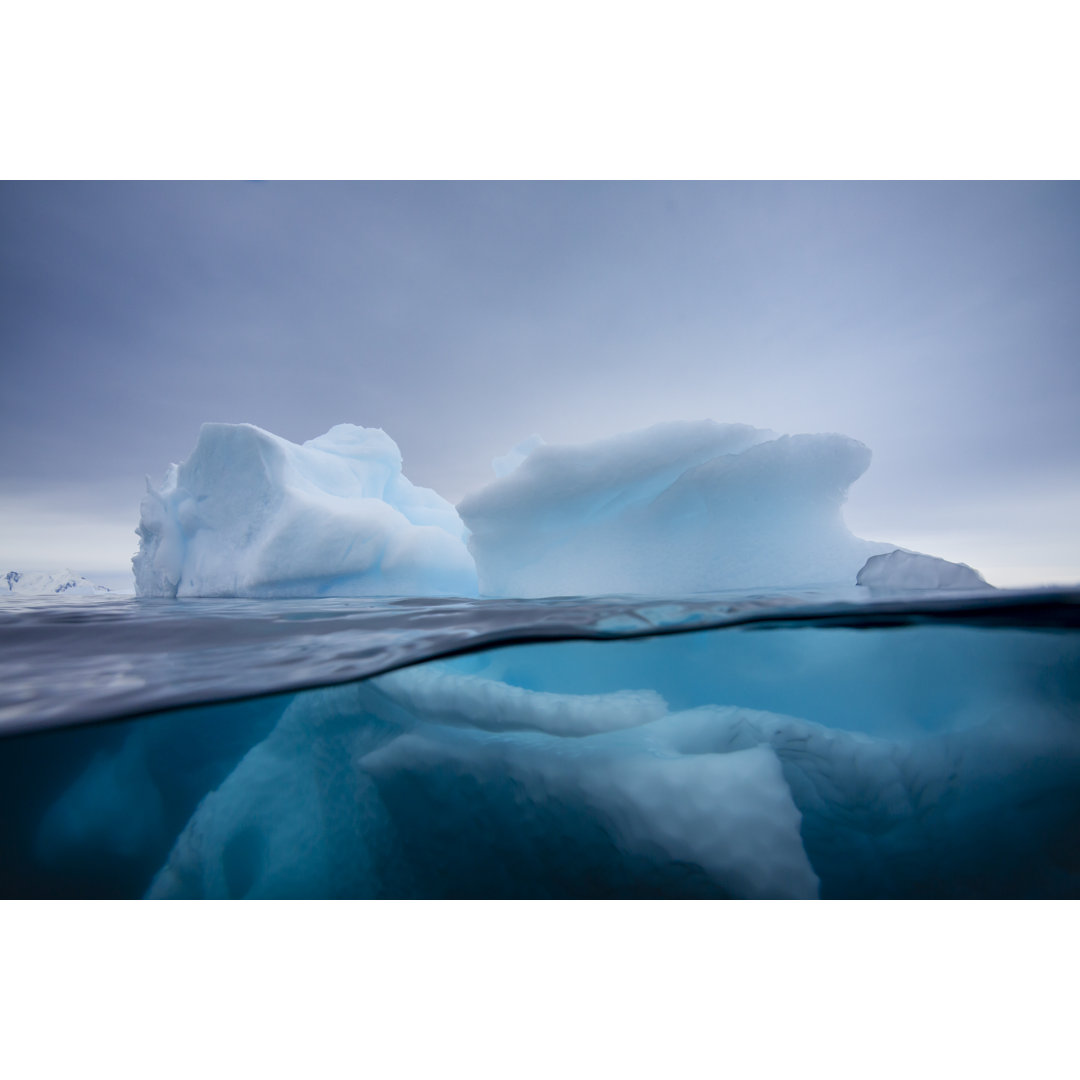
x: 251, y: 514
x: 677, y: 508
x: 909, y: 570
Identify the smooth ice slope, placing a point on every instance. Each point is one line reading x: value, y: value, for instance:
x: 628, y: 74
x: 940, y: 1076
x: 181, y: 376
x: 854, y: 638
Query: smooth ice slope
x: 64, y: 582
x: 676, y: 508
x: 252, y: 514
x: 910, y: 570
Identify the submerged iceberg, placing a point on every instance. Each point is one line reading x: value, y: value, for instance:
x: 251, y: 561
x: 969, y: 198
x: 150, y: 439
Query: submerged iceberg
x: 252, y: 514
x: 677, y: 508
x: 927, y: 758
x: 657, y: 767
x: 909, y: 570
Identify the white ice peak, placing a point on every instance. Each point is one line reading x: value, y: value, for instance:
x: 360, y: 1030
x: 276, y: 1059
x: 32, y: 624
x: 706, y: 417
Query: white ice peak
x: 252, y: 514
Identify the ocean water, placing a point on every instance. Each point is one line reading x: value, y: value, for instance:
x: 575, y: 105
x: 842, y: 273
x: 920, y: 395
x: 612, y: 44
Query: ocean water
x: 832, y: 745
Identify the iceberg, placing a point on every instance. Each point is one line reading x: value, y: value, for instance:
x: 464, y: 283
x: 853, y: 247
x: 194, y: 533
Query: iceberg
x: 909, y: 570
x: 682, y: 507
x: 355, y: 794
x: 457, y: 778
x: 250, y: 514
x: 677, y: 509
x: 63, y: 582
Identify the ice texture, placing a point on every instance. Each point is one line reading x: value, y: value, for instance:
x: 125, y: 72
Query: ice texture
x: 62, y: 582
x: 350, y: 782
x: 729, y: 816
x: 296, y: 817
x: 676, y: 509
x: 493, y: 705
x: 682, y: 507
x: 251, y: 514
x: 909, y: 570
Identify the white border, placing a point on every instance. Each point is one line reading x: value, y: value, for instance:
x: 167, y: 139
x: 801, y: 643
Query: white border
x: 539, y: 91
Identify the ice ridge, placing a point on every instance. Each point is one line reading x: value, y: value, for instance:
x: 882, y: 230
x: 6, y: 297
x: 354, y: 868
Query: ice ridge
x: 674, y: 509
x: 251, y: 514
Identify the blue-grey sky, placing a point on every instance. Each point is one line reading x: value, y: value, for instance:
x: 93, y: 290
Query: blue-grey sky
x: 938, y: 323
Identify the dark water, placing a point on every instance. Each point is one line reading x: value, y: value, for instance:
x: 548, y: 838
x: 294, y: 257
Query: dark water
x: 838, y: 745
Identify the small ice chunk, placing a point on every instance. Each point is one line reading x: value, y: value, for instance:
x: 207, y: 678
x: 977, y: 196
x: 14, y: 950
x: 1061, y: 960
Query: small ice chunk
x: 910, y: 570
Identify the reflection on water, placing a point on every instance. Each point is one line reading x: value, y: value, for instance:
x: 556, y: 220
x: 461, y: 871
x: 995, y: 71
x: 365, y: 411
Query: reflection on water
x: 70, y: 660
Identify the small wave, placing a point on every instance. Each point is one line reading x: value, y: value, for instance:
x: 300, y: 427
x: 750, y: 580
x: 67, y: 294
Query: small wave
x: 75, y: 660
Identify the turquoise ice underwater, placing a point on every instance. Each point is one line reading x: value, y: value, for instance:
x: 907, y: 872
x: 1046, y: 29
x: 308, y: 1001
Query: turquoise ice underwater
x: 915, y: 735
x: 935, y: 758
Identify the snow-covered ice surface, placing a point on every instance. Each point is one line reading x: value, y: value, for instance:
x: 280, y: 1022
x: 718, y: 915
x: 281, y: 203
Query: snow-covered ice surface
x: 812, y: 746
x: 251, y: 514
x: 677, y: 508
x: 910, y: 570
x: 49, y: 583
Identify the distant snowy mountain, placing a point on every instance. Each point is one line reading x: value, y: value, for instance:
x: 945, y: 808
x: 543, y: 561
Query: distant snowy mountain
x: 43, y: 583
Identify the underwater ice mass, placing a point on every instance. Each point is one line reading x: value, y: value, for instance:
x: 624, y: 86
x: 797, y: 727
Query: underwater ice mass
x: 860, y: 753
x: 679, y: 508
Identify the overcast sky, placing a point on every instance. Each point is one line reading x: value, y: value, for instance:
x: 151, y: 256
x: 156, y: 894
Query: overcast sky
x: 938, y: 323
